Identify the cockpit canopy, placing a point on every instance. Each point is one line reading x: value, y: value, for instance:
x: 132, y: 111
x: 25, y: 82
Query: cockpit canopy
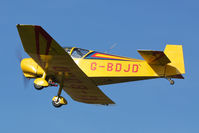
x: 76, y: 52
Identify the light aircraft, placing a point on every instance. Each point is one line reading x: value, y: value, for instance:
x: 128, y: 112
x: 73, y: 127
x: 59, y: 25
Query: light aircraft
x: 79, y: 71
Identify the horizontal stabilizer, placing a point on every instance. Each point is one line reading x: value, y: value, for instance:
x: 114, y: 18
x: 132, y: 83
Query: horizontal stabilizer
x: 154, y: 57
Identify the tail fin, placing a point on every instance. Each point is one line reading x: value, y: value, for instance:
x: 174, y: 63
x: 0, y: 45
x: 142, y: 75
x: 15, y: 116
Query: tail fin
x: 175, y: 55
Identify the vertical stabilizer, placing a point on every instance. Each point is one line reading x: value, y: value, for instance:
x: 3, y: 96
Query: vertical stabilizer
x: 175, y: 55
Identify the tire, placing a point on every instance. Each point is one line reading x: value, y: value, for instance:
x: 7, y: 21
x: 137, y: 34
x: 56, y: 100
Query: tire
x: 172, y: 82
x: 38, y: 87
x: 56, y: 104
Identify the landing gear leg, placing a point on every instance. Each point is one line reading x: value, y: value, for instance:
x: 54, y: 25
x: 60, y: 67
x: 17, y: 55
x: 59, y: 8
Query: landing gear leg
x: 40, y: 83
x: 171, y: 81
x: 58, y: 100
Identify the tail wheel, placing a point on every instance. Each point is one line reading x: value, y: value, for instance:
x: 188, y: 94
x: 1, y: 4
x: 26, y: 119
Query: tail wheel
x: 171, y: 82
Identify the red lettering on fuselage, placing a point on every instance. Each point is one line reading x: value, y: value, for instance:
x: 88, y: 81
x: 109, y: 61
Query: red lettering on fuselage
x: 135, y: 68
x: 93, y: 66
x: 128, y: 69
x: 117, y: 67
x: 109, y: 67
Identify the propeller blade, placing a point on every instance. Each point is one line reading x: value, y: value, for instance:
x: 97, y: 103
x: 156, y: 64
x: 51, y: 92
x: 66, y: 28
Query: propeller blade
x: 25, y: 81
x: 19, y: 58
x: 18, y: 55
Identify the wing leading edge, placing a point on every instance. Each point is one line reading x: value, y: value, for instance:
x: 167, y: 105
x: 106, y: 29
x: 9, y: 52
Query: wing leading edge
x: 55, y: 61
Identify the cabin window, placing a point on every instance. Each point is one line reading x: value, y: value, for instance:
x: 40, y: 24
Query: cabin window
x: 79, y: 53
x: 68, y: 50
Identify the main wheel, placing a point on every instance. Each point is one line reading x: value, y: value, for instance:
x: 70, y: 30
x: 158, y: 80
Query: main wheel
x: 38, y: 87
x: 56, y: 103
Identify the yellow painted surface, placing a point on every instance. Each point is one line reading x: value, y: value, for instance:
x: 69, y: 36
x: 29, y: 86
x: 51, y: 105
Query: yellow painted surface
x: 80, y: 77
x: 154, y: 57
x: 41, y: 82
x: 62, y: 100
x: 175, y: 54
x: 30, y: 68
x: 53, y: 59
x: 140, y: 68
x: 115, y: 68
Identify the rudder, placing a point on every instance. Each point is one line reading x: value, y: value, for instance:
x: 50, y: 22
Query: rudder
x: 175, y: 55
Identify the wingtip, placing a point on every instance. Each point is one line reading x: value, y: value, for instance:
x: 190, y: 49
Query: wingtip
x: 26, y: 25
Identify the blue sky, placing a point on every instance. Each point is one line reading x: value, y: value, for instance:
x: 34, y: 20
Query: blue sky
x: 150, y: 106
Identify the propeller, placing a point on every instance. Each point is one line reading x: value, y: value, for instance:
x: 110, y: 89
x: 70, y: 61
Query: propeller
x: 20, y: 58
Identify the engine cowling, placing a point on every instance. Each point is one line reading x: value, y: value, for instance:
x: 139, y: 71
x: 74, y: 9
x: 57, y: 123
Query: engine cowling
x: 30, y: 68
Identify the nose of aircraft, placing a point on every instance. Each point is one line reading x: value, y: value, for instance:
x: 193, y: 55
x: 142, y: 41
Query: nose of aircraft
x: 28, y: 67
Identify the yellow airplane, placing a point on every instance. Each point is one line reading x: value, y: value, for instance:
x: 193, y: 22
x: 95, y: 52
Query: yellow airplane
x: 79, y: 71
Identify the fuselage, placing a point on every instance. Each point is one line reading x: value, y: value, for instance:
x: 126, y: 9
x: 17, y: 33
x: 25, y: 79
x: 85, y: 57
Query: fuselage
x: 102, y: 68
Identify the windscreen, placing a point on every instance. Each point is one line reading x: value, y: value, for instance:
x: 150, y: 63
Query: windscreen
x: 79, y: 53
x: 68, y: 49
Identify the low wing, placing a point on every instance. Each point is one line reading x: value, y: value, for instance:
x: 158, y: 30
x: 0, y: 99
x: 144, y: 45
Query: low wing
x: 55, y: 61
x: 154, y: 57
